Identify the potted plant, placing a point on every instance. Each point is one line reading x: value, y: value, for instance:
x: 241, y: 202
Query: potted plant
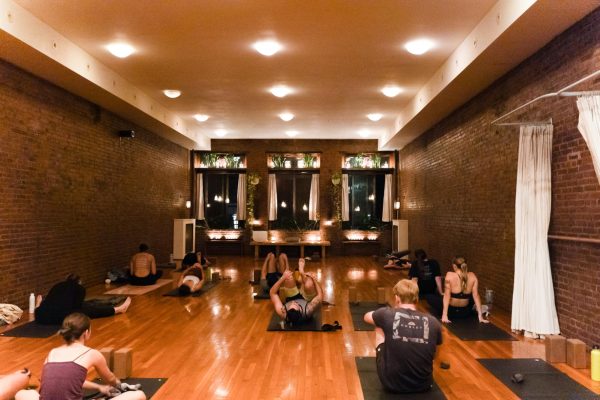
x: 308, y: 160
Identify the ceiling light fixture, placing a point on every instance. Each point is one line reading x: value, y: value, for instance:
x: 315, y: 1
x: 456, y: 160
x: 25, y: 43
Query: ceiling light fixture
x: 172, y: 94
x: 375, y: 116
x: 267, y: 47
x: 286, y: 116
x: 280, y: 91
x: 418, y: 46
x: 220, y: 132
x: 121, y: 50
x: 391, y: 91
x: 292, y: 133
x: 364, y: 133
x: 201, y: 117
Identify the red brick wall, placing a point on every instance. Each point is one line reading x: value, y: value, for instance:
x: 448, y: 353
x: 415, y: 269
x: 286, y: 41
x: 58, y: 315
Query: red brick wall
x: 458, y: 181
x: 73, y: 196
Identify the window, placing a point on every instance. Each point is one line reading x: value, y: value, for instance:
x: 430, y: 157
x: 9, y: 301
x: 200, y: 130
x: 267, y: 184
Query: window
x: 293, y: 195
x: 365, y: 200
x: 220, y: 204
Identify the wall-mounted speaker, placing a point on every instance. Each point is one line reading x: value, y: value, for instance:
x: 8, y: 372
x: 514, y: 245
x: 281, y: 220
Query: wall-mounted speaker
x: 129, y: 133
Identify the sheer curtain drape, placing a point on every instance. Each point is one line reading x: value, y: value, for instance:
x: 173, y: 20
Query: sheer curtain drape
x: 589, y: 126
x: 388, y: 200
x: 272, y: 197
x: 199, y: 197
x: 313, y: 201
x: 345, y: 198
x: 241, y: 197
x: 533, y: 308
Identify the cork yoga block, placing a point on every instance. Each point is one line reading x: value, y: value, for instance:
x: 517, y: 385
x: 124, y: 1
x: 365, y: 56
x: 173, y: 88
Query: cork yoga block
x: 576, y: 354
x: 556, y: 348
x: 352, y: 295
x: 215, y: 276
x: 108, y: 353
x: 381, y: 296
x: 122, y: 363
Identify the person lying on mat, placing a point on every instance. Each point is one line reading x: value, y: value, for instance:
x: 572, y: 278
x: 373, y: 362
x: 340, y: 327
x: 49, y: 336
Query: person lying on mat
x: 192, y: 277
x: 12, y: 383
x: 295, y: 308
x: 396, y: 260
x: 426, y: 274
x: 142, y: 268
x: 405, y: 341
x: 202, y: 259
x: 461, y: 292
x: 67, y: 297
x: 65, y: 369
x: 272, y: 270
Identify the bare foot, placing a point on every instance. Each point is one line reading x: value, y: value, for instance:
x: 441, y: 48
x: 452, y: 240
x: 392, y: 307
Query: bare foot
x: 301, y: 263
x: 38, y: 300
x: 123, y: 307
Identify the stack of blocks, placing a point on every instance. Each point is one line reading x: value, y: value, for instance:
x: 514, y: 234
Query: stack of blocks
x: 120, y: 362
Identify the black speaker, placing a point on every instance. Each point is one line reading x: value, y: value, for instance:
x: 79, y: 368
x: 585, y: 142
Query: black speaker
x: 129, y: 133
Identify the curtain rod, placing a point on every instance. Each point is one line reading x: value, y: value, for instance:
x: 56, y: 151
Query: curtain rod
x: 561, y: 92
x: 549, y: 122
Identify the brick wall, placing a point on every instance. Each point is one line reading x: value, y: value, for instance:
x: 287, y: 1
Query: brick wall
x: 458, y: 181
x: 73, y: 196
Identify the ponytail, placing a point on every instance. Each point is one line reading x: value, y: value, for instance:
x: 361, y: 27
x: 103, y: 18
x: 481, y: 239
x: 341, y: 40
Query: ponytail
x: 463, y: 272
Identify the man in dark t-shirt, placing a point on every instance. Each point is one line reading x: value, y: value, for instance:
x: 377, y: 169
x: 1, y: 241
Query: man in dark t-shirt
x: 427, y: 274
x: 406, y: 340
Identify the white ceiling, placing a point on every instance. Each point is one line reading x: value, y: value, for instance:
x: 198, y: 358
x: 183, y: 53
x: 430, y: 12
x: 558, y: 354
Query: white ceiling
x: 337, y: 55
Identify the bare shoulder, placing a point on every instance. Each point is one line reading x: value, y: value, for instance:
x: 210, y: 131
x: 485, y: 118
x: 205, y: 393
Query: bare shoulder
x: 450, y: 275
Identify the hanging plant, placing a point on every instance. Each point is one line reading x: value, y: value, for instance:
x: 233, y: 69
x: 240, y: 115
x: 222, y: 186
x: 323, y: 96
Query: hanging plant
x: 336, y: 180
x: 252, y: 181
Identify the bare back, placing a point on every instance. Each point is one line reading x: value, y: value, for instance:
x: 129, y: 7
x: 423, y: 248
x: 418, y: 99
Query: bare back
x: 453, y: 283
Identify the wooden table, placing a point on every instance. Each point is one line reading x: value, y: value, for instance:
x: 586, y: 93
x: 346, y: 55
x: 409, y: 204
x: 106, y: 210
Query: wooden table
x: 278, y: 244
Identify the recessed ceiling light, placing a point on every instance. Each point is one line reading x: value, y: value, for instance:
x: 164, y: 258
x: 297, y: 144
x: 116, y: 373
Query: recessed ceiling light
x: 120, y: 50
x: 292, y: 133
x: 267, y: 47
x: 418, y: 46
x: 286, y: 116
x: 391, y: 91
x: 280, y: 91
x: 201, y: 117
x: 172, y: 94
x: 364, y: 133
x: 375, y: 116
x: 220, y: 132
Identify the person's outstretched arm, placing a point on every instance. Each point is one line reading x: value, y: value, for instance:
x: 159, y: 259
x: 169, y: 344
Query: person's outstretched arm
x: 274, y: 293
x: 99, y: 363
x: 446, y: 299
x: 316, y: 301
x: 477, y: 300
x: 12, y: 383
x: 153, y: 264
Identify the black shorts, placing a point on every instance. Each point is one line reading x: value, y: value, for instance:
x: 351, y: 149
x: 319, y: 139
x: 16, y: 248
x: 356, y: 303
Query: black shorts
x: 272, y: 278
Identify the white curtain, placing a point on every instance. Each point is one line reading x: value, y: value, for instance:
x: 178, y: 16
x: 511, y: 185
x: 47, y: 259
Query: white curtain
x: 241, y: 198
x: 589, y: 126
x: 388, y: 200
x: 533, y: 308
x: 345, y: 198
x: 313, y: 201
x: 199, y: 197
x: 272, y: 197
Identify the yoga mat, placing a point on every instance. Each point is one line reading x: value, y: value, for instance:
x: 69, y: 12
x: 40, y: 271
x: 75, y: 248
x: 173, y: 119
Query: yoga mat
x: 314, y: 324
x: 471, y: 329
x: 261, y: 295
x: 32, y: 330
x: 112, y: 301
x: 541, y: 380
x: 358, y: 312
x: 149, y: 386
x: 131, y: 290
x: 372, y: 389
x: 207, y: 286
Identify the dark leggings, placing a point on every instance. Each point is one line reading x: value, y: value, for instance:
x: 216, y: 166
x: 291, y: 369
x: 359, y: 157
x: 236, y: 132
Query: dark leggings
x: 147, y: 280
x: 53, y: 316
x: 436, y: 303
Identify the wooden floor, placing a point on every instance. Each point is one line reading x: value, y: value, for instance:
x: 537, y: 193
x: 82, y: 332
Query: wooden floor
x: 217, y: 346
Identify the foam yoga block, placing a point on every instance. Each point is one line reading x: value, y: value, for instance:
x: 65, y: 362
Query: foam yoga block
x: 381, y: 296
x: 122, y: 363
x: 352, y: 295
x: 215, y: 276
x: 556, y: 348
x: 576, y: 355
x: 107, y: 353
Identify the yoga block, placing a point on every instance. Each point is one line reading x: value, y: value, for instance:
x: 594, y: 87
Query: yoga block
x: 257, y: 273
x: 215, y: 276
x: 107, y: 353
x: 556, y: 348
x: 381, y: 296
x: 175, y: 275
x: 576, y: 354
x: 122, y: 363
x: 352, y: 295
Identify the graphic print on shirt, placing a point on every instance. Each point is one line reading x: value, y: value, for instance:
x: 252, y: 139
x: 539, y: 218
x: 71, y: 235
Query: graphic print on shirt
x: 410, y: 328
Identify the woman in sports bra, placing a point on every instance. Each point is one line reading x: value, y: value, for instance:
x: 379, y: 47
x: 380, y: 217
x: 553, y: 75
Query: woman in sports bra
x: 460, y: 293
x: 66, y: 367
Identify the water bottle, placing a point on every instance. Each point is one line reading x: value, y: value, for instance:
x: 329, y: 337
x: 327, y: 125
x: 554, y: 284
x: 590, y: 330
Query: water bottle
x: 595, y: 364
x: 31, y: 303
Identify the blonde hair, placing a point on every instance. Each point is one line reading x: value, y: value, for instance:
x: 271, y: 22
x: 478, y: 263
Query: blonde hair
x: 407, y: 290
x: 463, y: 271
